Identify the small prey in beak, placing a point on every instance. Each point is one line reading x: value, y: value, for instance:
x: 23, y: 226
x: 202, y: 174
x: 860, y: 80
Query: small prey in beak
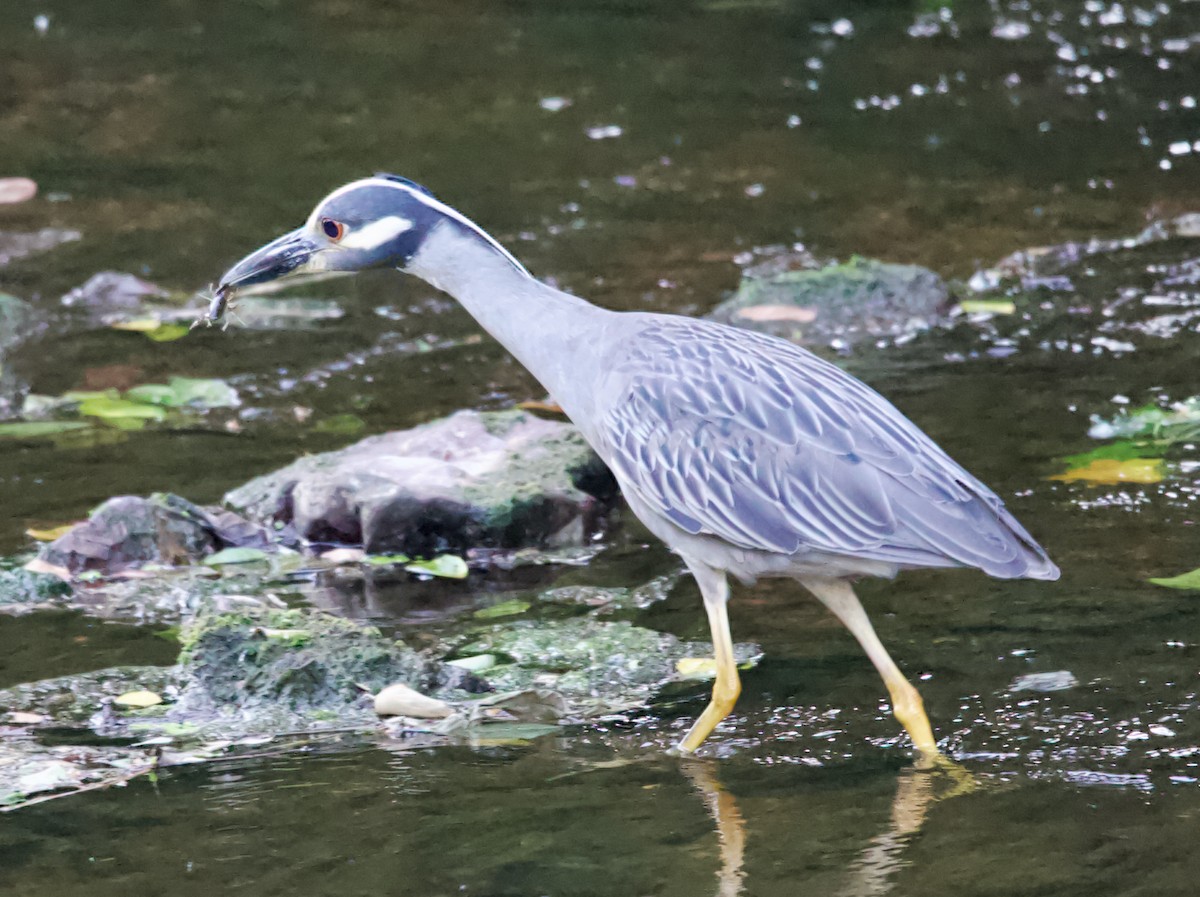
x: 216, y: 308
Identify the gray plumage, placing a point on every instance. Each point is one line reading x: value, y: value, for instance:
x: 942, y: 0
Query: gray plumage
x: 759, y: 443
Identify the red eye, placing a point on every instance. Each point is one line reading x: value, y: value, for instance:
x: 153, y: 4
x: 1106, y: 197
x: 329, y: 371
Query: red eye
x: 334, y: 230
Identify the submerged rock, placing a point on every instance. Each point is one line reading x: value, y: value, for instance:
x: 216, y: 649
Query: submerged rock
x: 474, y: 479
x: 837, y: 305
x: 113, y: 291
x: 23, y: 589
x: 263, y: 664
x: 16, y: 245
x: 128, y: 531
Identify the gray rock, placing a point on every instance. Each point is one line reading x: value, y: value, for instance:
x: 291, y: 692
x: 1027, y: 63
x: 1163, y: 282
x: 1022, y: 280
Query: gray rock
x: 838, y: 305
x: 129, y: 530
x: 18, y: 321
x: 474, y: 479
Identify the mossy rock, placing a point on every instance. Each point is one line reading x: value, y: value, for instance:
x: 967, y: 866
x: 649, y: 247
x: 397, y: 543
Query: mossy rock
x: 863, y: 299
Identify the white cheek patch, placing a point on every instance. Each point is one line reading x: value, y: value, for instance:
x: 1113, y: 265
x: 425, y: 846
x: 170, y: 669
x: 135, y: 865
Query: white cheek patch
x: 376, y: 234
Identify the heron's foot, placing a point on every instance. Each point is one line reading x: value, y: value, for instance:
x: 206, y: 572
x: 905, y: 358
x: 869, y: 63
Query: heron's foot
x: 957, y: 778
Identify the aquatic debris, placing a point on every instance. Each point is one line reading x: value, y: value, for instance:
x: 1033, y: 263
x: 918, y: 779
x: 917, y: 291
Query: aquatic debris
x: 15, y: 190
x: 138, y: 700
x: 153, y: 329
x: 1110, y: 471
x: 1059, y: 680
x: 236, y: 556
x: 1189, y: 581
x: 398, y: 699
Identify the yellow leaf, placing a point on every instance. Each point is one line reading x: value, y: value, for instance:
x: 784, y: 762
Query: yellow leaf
x: 137, y: 699
x: 696, y: 667
x: 49, y: 534
x: 1110, y: 470
x: 987, y: 306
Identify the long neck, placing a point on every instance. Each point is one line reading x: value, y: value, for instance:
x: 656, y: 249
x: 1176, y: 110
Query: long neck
x: 553, y: 334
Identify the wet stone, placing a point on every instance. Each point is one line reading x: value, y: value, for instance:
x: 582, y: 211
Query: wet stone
x: 472, y: 480
x: 128, y: 531
x: 265, y: 665
x: 22, y: 589
x: 789, y: 295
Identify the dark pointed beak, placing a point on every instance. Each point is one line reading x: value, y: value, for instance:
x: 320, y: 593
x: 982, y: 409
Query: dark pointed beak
x: 288, y: 255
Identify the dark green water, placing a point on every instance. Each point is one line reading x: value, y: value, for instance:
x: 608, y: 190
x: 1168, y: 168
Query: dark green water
x: 177, y: 136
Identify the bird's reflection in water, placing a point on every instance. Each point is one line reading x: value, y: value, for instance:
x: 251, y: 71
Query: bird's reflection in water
x: 872, y: 873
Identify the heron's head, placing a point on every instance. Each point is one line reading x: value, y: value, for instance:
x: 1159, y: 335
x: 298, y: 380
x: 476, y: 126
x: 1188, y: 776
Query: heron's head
x: 377, y: 222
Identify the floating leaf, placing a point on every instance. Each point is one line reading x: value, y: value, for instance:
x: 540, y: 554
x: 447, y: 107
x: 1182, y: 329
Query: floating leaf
x: 138, y: 699
x: 37, y: 429
x: 152, y: 394
x: 236, y: 556
x: 1125, y: 450
x: 110, y: 409
x: 503, y: 609
x: 49, y: 534
x: 387, y: 560
x: 988, y: 306
x: 341, y: 424
x: 154, y: 329
x: 204, y: 393
x: 1110, y: 471
x: 447, y: 566
x: 1189, y: 580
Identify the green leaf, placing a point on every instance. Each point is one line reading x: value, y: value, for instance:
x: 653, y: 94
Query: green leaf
x: 387, y: 560
x: 447, y: 566
x: 1189, y: 580
x: 203, y: 393
x: 342, y: 424
x: 236, y: 556
x: 1125, y: 450
x: 154, y: 329
x: 503, y: 609
x: 36, y: 429
x: 152, y: 394
x: 988, y: 306
x: 108, y: 408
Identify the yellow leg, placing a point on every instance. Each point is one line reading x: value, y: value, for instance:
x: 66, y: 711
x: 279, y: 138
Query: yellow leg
x: 715, y: 590
x: 907, y: 706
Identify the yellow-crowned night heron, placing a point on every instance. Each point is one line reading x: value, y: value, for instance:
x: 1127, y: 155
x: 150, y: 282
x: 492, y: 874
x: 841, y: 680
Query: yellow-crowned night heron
x: 746, y: 454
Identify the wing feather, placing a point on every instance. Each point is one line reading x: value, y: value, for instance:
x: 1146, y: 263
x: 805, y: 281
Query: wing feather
x: 758, y: 442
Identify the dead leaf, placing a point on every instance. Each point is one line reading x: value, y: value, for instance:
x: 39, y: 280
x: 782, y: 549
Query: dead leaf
x: 13, y: 190
x: 400, y: 700
x: 1110, y: 471
x: 21, y: 718
x: 37, y: 565
x: 138, y: 699
x: 49, y: 534
x: 696, y: 667
x: 546, y: 407
x: 796, y: 314
x: 344, y: 555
